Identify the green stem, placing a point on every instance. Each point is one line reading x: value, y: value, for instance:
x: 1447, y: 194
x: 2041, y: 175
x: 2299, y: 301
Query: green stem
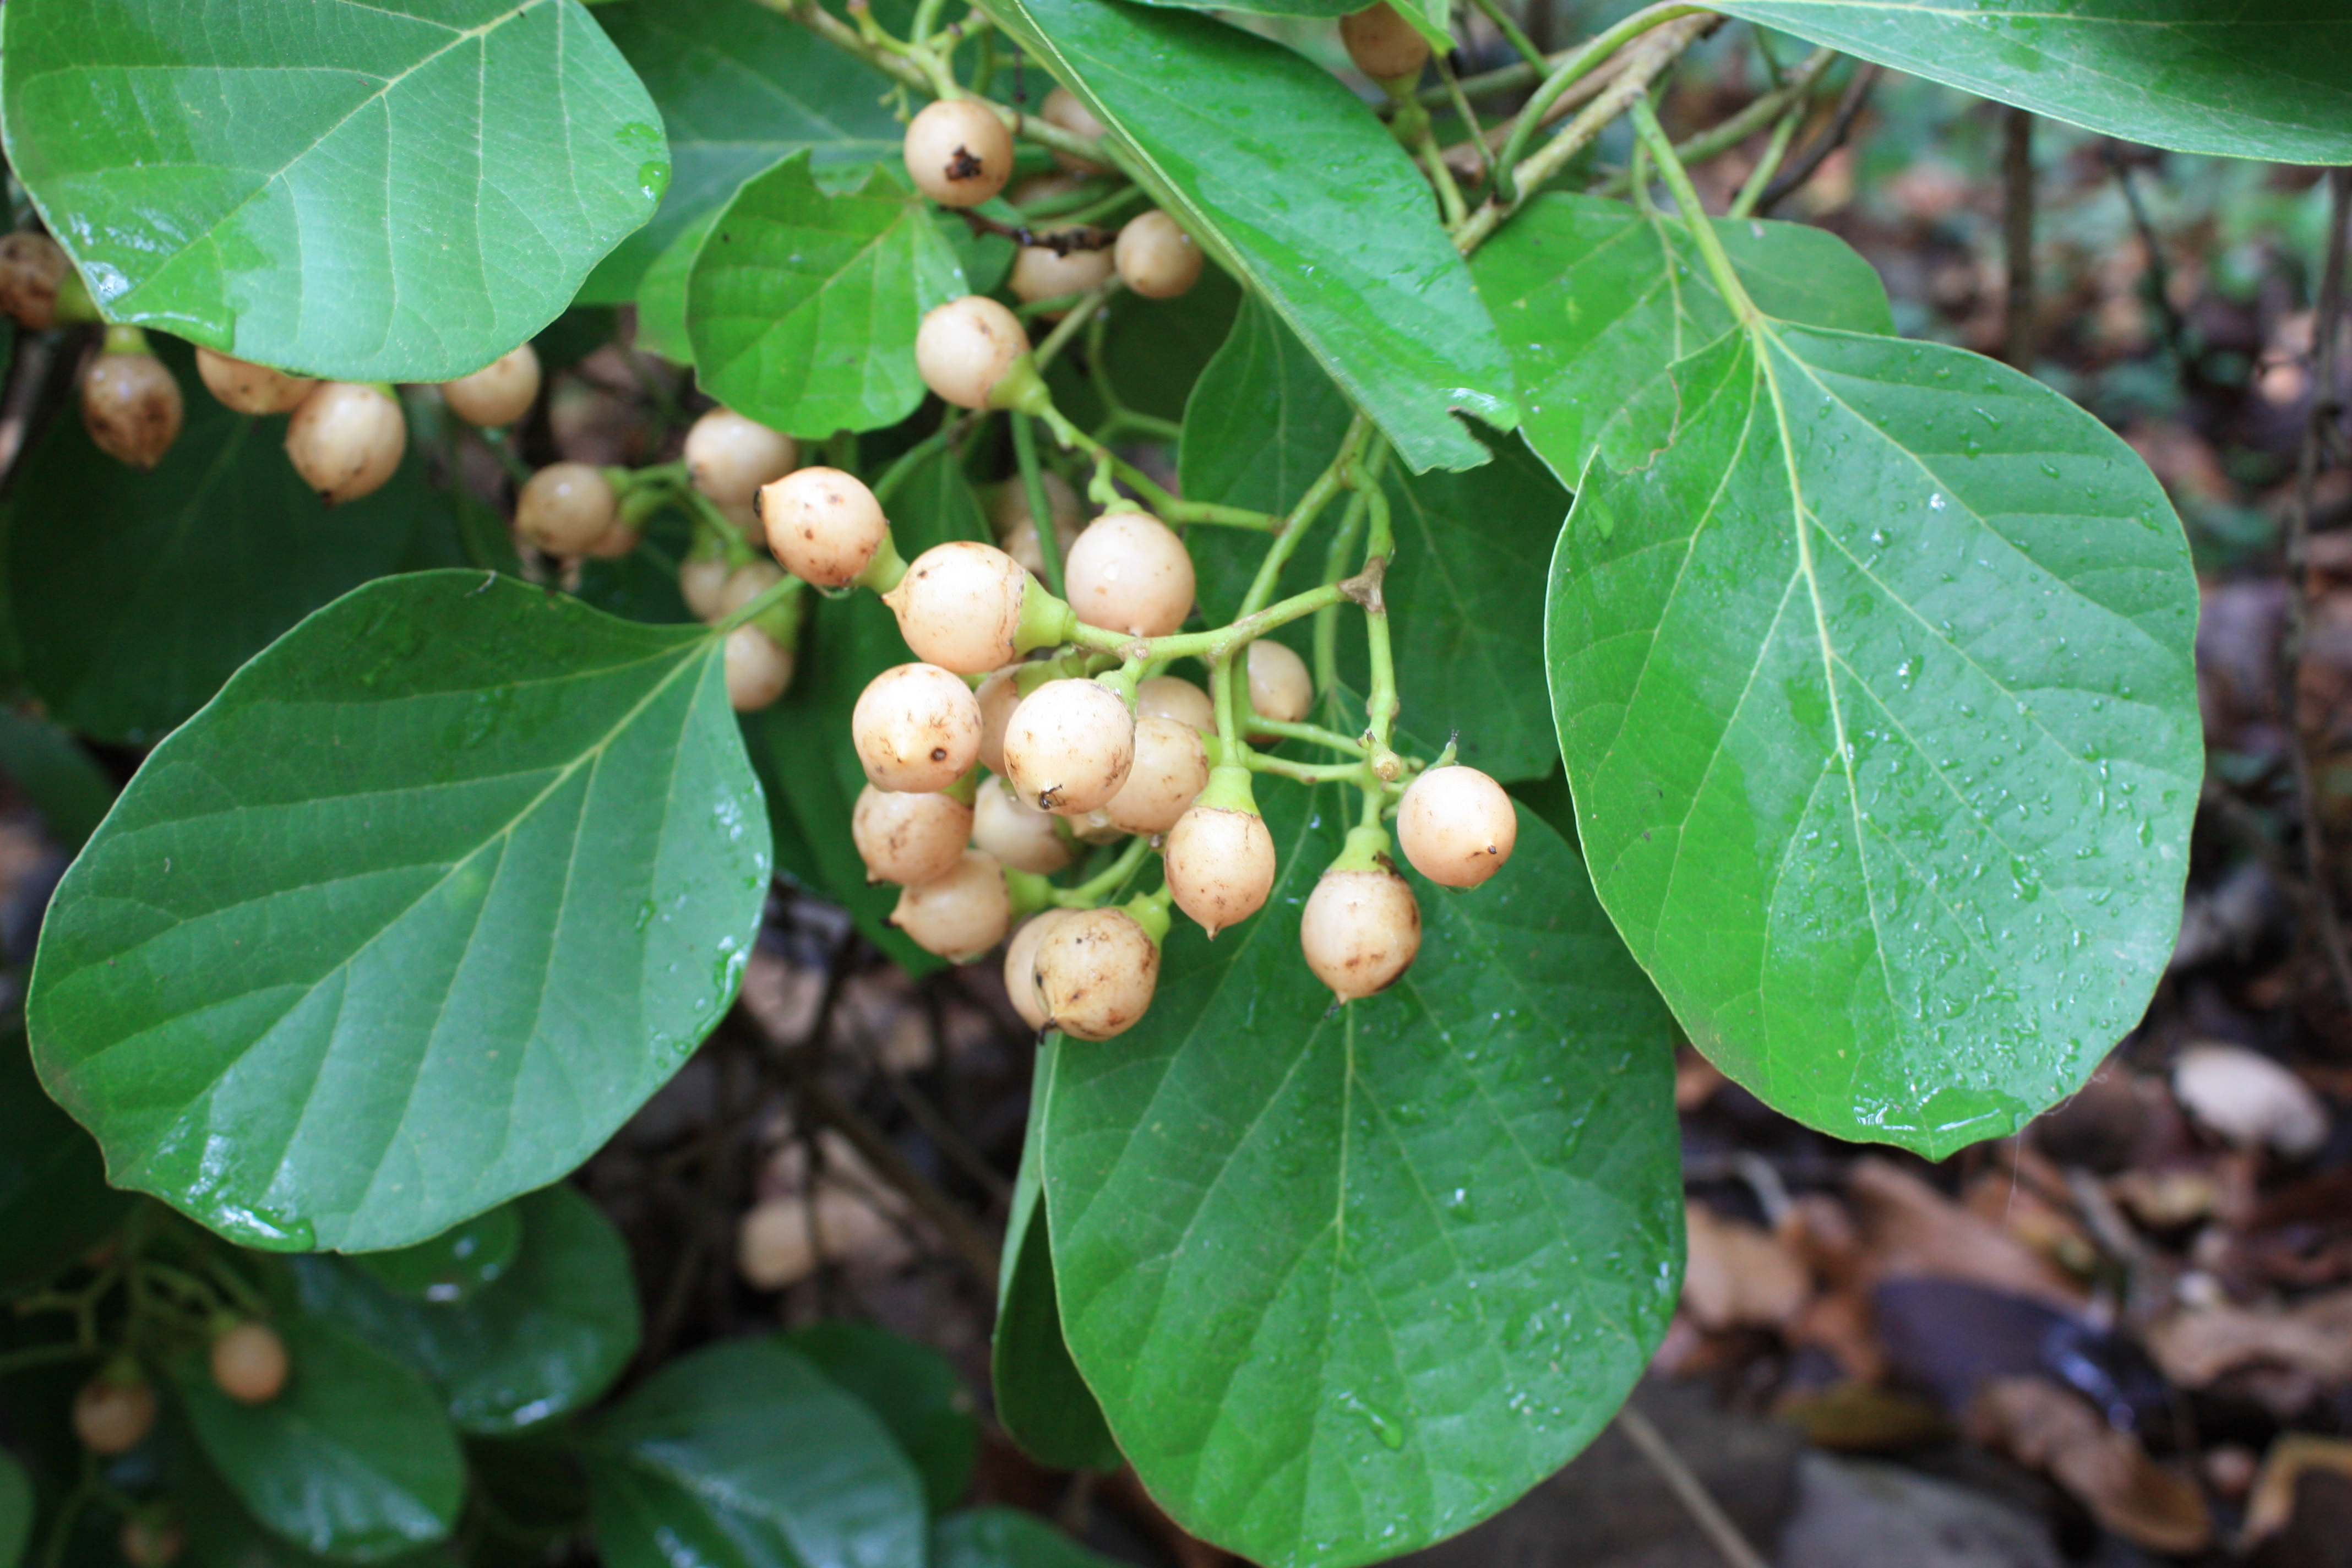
x: 1512, y: 31
x: 1082, y: 310
x: 1579, y: 66
x: 1041, y: 511
x: 1107, y: 881
x: 1730, y: 133
x: 753, y: 609
x: 1215, y: 646
x: 902, y: 468
x: 1150, y: 425
x: 1162, y: 504
x: 1694, y: 215
x: 42, y: 1355
x: 1469, y: 116
x: 1313, y: 734
x: 1455, y: 211
x: 1744, y: 203
x: 1310, y: 772
x: 1326, y: 620
x: 1125, y: 197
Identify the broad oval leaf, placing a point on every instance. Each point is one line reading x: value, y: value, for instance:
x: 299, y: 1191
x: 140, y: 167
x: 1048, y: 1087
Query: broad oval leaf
x: 57, y: 775
x: 453, y: 1265
x: 1875, y: 693
x: 1349, y: 1280
x: 435, y: 894
x: 803, y: 305
x: 549, y: 1336
x: 1596, y: 300
x: 137, y: 594
x: 1262, y: 422
x: 912, y: 1389
x: 740, y: 88
x: 1005, y: 1538
x: 744, y: 1456
x: 353, y: 1459
x: 1275, y: 165
x: 53, y: 1200
x: 396, y: 192
x: 2273, y: 81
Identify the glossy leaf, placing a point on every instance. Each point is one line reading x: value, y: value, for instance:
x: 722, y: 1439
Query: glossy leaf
x: 740, y: 88
x: 1045, y: 1406
x: 1596, y: 300
x: 1349, y: 1280
x: 1275, y: 166
x: 374, y: 192
x: 1874, y: 689
x: 435, y: 894
x: 1264, y: 419
x: 549, y: 1336
x: 1005, y: 1538
x: 55, y: 1203
x: 912, y: 1389
x: 56, y: 774
x: 353, y: 1459
x: 221, y: 1535
x: 802, y: 304
x: 745, y: 1455
x: 661, y: 293
x: 15, y: 1511
x: 453, y: 1265
x: 139, y: 593
x: 2273, y: 81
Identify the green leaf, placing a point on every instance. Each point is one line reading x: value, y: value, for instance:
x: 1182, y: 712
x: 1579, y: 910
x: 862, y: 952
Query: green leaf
x: 803, y: 305
x: 2273, y: 81
x: 1005, y: 1538
x: 1263, y: 420
x: 15, y: 1511
x: 1041, y: 1399
x: 912, y: 1389
x: 740, y: 88
x: 435, y: 894
x: 352, y: 1460
x: 1596, y: 300
x: 661, y: 293
x: 745, y: 1455
x: 1275, y: 166
x: 363, y: 192
x: 50, y: 768
x: 137, y: 593
x: 55, y: 1203
x: 549, y: 1336
x: 453, y: 1265
x: 1874, y: 689
x: 1348, y: 1280
x: 221, y: 1535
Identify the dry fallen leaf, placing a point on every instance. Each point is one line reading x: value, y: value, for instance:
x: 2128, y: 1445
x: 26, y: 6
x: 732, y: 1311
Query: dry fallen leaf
x: 2272, y: 1503
x: 1739, y: 1276
x: 2042, y: 1426
x: 1912, y: 1230
x: 2249, y: 1099
x: 2197, y: 1346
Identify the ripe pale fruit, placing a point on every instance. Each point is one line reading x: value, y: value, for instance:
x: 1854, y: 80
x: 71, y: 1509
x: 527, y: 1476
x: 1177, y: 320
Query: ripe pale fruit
x: 908, y: 838
x: 916, y: 727
x: 743, y: 584
x: 824, y: 525
x: 1383, y: 44
x: 1156, y: 258
x: 1065, y: 108
x: 111, y: 1416
x: 1456, y: 826
x: 32, y: 268
x: 1016, y: 833
x: 1360, y: 931
x: 960, y: 915
x: 1129, y: 573
x: 249, y: 1362
x: 958, y: 606
x: 1016, y: 530
x: 1070, y: 745
x: 150, y: 1542
x: 498, y: 393
x: 758, y: 668
x: 700, y: 582
x: 1174, y: 697
x: 346, y: 439
x: 1220, y: 860
x: 131, y: 404
x: 957, y: 153
x: 729, y: 457
x: 1021, y: 965
x: 565, y: 508
x: 1096, y: 972
x: 1280, y: 688
x: 964, y: 349
x: 998, y: 696
x: 1170, y: 767
x: 1039, y: 272
x: 251, y: 388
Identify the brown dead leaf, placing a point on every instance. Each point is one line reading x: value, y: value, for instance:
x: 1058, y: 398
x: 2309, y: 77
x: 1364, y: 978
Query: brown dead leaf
x: 1739, y: 1276
x: 2249, y: 1099
x: 2291, y: 1456
x: 2199, y: 1346
x: 1911, y: 1230
x: 1862, y: 1418
x: 2042, y: 1426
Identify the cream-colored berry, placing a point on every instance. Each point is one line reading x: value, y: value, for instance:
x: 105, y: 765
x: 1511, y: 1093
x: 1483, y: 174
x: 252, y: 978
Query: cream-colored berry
x: 614, y: 542
x: 1069, y: 746
x: 131, y: 404
x: 251, y: 388
x: 1096, y: 973
x: 729, y: 457
x: 565, y: 508
x: 1017, y: 833
x: 1064, y: 108
x: 908, y: 838
x: 743, y: 584
x: 346, y: 439
x: 150, y: 1542
x: 1039, y: 272
x: 998, y: 696
x: 1456, y: 826
x: 498, y: 393
x: 964, y: 348
x: 113, y: 1415
x: 249, y: 1362
x: 916, y: 727
x: 958, y: 606
x: 1383, y: 44
x: 1129, y: 573
x: 1156, y: 258
x: 758, y: 668
x: 1016, y: 530
x: 1021, y: 965
x: 1360, y: 931
x: 33, y: 268
x: 700, y: 582
x: 1280, y: 688
x: 1174, y: 697
x: 960, y: 915
x: 1221, y: 865
x: 1170, y: 767
x: 958, y: 152
x: 824, y: 525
